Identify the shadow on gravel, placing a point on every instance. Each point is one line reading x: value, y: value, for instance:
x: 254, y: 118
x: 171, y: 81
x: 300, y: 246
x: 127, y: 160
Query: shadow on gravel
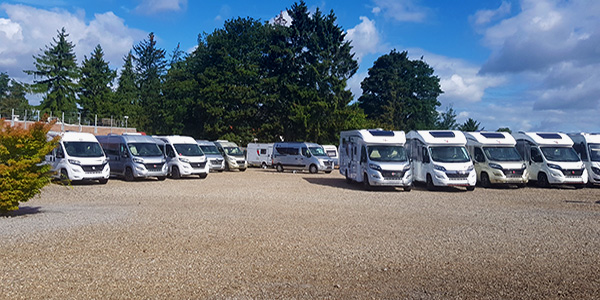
x: 444, y: 189
x: 341, y: 183
x: 22, y: 211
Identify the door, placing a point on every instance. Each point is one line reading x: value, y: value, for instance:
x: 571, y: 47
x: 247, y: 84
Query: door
x: 535, y: 163
x: 479, y: 160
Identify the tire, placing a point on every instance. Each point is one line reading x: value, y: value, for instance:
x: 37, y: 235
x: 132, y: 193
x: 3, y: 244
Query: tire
x: 521, y: 185
x: 263, y: 165
x: 579, y: 186
x: 407, y: 188
x: 64, y: 176
x: 175, y: 174
x: 485, y: 180
x: 542, y: 180
x: 471, y: 188
x: 243, y: 170
x: 279, y: 168
x: 429, y: 183
x: 327, y: 172
x: 348, y: 180
x: 227, y: 166
x: 161, y: 178
x: 203, y: 175
x: 366, y: 183
x: 103, y: 180
x: 129, y: 174
x: 313, y: 169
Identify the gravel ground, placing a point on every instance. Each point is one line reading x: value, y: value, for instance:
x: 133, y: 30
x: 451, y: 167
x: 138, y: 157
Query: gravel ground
x: 264, y: 235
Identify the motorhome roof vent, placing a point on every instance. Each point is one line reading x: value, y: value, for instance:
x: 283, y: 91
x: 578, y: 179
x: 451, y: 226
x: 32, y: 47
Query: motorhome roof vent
x: 442, y: 134
x: 550, y: 136
x: 493, y: 135
x: 381, y: 133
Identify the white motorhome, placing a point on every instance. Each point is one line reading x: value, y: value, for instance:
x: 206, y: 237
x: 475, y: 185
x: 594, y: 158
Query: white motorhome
x: 233, y: 155
x: 375, y: 158
x: 301, y: 156
x: 78, y: 156
x: 440, y: 158
x: 215, y: 159
x: 134, y: 156
x: 587, y: 145
x: 551, y: 158
x: 259, y: 155
x: 496, y: 158
x: 333, y: 153
x: 184, y: 156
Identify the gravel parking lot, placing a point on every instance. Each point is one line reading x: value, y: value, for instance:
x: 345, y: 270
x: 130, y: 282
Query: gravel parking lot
x: 260, y: 234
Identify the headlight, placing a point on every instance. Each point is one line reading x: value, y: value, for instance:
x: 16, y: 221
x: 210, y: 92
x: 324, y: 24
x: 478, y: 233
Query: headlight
x: 470, y: 168
x: 524, y: 166
x: 74, y: 162
x: 375, y: 167
x: 495, y: 166
x: 406, y: 167
x: 439, y: 168
x: 596, y: 170
x: 138, y: 160
x: 185, y: 160
x: 553, y: 166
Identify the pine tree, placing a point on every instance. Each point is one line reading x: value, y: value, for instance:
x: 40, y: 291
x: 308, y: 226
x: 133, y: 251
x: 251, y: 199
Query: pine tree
x: 126, y: 99
x: 12, y: 96
x: 95, y: 92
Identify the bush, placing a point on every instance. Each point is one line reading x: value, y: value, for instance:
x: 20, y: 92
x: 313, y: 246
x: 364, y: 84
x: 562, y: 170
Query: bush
x: 22, y: 172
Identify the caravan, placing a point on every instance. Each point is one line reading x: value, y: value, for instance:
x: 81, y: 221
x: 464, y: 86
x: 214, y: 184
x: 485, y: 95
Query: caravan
x: 301, y: 156
x: 332, y: 152
x: 259, y: 155
x: 133, y: 156
x: 439, y: 158
x: 184, y: 156
x: 496, y: 158
x: 375, y: 158
x: 551, y: 158
x: 78, y: 156
x: 587, y: 145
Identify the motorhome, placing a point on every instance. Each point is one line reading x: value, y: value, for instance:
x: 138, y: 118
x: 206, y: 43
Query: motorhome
x: 587, y: 145
x: 215, y: 159
x: 78, y: 156
x: 233, y: 155
x: 375, y: 158
x: 551, y: 158
x: 132, y: 156
x: 440, y: 158
x: 333, y: 153
x: 496, y: 158
x: 301, y: 156
x: 259, y: 155
x: 184, y: 156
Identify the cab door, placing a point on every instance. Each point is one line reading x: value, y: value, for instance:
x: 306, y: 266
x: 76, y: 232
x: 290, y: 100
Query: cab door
x: 478, y: 161
x: 536, y: 162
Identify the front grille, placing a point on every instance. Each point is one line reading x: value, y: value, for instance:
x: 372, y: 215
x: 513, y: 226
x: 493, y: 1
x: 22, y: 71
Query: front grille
x: 392, y: 175
x: 217, y: 161
x: 241, y: 162
x: 572, y: 173
x: 154, y: 167
x: 93, y: 169
x: 198, y: 165
x: 457, y: 176
x: 513, y: 173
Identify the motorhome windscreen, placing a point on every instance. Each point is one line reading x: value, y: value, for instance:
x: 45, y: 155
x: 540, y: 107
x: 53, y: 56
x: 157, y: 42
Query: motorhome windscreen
x: 233, y: 151
x: 331, y: 153
x: 188, y: 149
x: 83, y: 149
x: 209, y: 149
x: 502, y: 153
x: 442, y: 134
x: 449, y: 154
x: 594, y: 152
x: 386, y: 153
x: 144, y: 149
x: 317, y: 151
x: 492, y: 135
x: 566, y: 154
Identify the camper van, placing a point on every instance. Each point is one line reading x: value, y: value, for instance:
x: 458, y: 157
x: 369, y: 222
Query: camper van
x: 332, y: 152
x: 184, y: 156
x: 301, y: 156
x: 375, y: 158
x: 78, y: 156
x: 587, y: 145
x: 215, y: 159
x: 496, y: 158
x: 551, y: 158
x: 133, y: 156
x: 440, y: 158
x: 259, y: 155
x: 233, y: 155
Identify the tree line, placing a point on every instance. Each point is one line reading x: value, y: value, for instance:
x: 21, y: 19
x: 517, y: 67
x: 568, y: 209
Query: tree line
x: 250, y: 80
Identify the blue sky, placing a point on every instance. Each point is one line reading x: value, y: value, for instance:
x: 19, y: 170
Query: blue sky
x: 529, y: 65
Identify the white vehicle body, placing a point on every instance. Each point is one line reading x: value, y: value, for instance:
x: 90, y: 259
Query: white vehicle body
x: 496, y: 158
x: 215, y: 159
x: 259, y: 155
x: 551, y: 158
x: 375, y: 158
x: 587, y: 145
x: 440, y: 158
x: 78, y: 156
x: 301, y: 156
x: 184, y: 156
x: 134, y: 156
x: 333, y: 153
x: 233, y: 155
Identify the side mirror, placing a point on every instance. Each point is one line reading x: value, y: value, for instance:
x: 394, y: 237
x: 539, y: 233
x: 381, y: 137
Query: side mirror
x: 125, y: 155
x: 60, y: 155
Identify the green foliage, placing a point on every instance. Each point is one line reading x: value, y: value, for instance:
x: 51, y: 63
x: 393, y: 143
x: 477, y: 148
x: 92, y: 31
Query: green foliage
x: 447, y: 119
x: 126, y: 99
x: 12, y: 96
x: 504, y: 129
x: 58, y: 71
x: 22, y: 174
x: 95, y: 86
x: 470, y: 125
x: 401, y: 94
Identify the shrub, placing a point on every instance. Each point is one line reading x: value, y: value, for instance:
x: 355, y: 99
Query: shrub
x: 22, y: 171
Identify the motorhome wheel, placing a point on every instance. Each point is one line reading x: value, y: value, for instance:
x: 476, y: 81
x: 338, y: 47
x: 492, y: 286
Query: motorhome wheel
x: 242, y: 170
x: 313, y: 169
x: 175, y: 173
x: 279, y: 168
x: 103, y: 181
x: 471, y: 188
x: 129, y: 174
x: 263, y: 165
x: 485, y: 180
x: 161, y: 178
x: 407, y: 188
x: 429, y: 183
x: 203, y: 175
x: 366, y: 183
x: 64, y: 176
x: 542, y: 180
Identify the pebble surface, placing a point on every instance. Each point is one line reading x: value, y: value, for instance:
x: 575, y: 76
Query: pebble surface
x: 260, y: 234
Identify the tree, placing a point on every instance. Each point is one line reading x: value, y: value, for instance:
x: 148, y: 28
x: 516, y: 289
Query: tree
x: 95, y: 91
x: 21, y: 153
x: 401, y: 94
x: 504, y: 129
x: 470, y: 125
x: 12, y: 96
x: 126, y: 98
x: 447, y: 119
x: 59, y: 73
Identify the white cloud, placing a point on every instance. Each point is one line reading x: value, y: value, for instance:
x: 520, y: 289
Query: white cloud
x: 151, y: 7
x: 364, y: 38
x: 486, y: 16
x: 403, y: 11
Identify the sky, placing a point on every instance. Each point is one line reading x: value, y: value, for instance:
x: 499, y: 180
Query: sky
x: 530, y: 65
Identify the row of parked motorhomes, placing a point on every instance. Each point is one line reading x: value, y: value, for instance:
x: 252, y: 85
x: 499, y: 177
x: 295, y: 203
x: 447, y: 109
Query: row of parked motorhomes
x: 373, y: 157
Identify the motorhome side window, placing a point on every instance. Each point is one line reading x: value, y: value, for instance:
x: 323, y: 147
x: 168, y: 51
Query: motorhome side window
x: 263, y: 151
x: 479, y: 157
x: 580, y: 149
x: 170, y: 152
x: 425, y: 155
x: 60, y: 152
x: 536, y: 156
x: 305, y: 152
x: 363, y: 154
x: 123, y: 150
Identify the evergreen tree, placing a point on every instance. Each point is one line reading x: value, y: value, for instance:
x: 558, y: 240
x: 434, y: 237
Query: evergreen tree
x: 12, y: 96
x: 447, y: 119
x: 470, y: 125
x: 58, y: 73
x: 504, y: 129
x: 126, y: 98
x: 95, y: 92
